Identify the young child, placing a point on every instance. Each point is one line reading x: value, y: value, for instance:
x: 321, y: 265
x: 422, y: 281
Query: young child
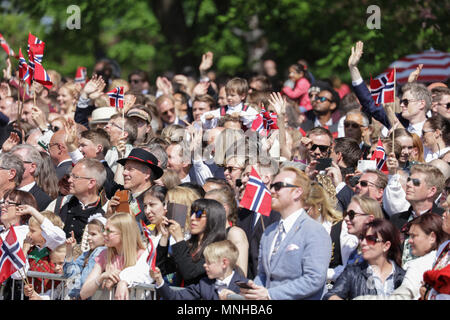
x: 45, y: 235
x: 57, y: 258
x: 220, y: 262
x: 79, y: 269
x: 237, y: 90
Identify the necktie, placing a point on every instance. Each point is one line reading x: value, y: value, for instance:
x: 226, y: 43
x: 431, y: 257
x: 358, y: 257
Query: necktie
x: 278, y: 240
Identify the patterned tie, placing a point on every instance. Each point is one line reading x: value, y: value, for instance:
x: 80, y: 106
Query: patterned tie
x: 278, y: 240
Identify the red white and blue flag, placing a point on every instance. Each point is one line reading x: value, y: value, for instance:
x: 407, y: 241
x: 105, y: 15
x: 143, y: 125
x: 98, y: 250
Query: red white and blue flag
x: 264, y: 122
x: 382, y: 88
x: 116, y: 97
x: 151, y: 259
x: 39, y: 74
x: 380, y: 156
x: 12, y: 257
x: 23, y: 66
x: 33, y: 40
x: 9, y: 51
x: 81, y: 76
x: 256, y: 196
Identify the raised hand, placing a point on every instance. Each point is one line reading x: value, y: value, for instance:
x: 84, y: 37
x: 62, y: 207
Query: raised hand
x: 70, y: 244
x: 7, y: 71
x: 357, y: 52
x: 207, y: 62
x: 5, y: 90
x: 413, y: 76
x: 12, y: 141
x: 71, y: 137
x: 278, y: 102
x: 95, y: 84
x: 163, y: 84
x: 157, y: 276
x: 175, y: 230
x: 200, y: 88
x: 181, y: 79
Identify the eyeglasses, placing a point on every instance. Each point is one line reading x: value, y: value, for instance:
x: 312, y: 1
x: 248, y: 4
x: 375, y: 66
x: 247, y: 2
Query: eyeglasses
x: 426, y: 131
x: 52, y: 144
x: 406, y: 101
x: 74, y: 176
x: 365, y: 183
x: 199, y: 213
x: 169, y: 111
x: 352, y: 214
x: 55, y: 128
x: 225, y: 169
x: 3, y: 168
x: 277, y: 186
x: 370, y: 239
x: 354, y: 125
x: 322, y: 99
x: 8, y: 203
x: 415, y: 181
x: 114, y: 125
x: 322, y: 148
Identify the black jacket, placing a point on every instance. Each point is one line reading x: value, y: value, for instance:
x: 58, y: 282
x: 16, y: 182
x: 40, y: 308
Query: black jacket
x: 355, y: 281
x: 400, y: 219
x: 42, y: 199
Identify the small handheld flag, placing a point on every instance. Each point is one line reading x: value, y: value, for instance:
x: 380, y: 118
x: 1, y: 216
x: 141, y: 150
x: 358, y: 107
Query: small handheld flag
x: 256, y: 196
x: 116, y: 97
x: 12, y: 257
x: 9, y: 51
x: 382, y: 88
x: 81, y: 76
x: 380, y: 156
x: 151, y: 259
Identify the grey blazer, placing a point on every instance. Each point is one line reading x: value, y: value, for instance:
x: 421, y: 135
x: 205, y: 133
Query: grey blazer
x: 299, y: 267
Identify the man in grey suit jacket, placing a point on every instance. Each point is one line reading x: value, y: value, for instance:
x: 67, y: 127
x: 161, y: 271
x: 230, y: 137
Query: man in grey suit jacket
x: 293, y: 259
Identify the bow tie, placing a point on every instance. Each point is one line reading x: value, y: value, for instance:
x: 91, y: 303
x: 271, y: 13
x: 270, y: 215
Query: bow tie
x: 220, y: 285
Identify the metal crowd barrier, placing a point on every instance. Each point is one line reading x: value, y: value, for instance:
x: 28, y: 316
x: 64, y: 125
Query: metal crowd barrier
x: 138, y: 291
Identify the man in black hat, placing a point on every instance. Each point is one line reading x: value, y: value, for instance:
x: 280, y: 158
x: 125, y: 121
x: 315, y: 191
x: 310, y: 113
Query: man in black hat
x: 140, y: 169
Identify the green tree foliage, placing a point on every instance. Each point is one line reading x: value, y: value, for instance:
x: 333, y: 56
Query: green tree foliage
x: 162, y: 35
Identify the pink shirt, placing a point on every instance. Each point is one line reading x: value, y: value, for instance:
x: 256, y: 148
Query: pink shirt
x: 117, y: 262
x: 300, y: 92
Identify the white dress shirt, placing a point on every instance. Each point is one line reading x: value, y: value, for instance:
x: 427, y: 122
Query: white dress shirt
x: 287, y: 224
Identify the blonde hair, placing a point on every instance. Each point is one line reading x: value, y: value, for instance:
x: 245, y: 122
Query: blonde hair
x: 119, y: 83
x: 301, y: 180
x: 226, y: 197
x: 320, y: 204
x: 369, y: 206
x: 433, y: 177
x: 51, y: 216
x: 170, y: 179
x: 184, y: 196
x: 216, y: 251
x: 130, y: 238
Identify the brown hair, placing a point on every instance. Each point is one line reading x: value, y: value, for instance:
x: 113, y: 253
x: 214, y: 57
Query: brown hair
x: 389, y: 233
x: 428, y: 223
x: 238, y: 85
x: 22, y: 198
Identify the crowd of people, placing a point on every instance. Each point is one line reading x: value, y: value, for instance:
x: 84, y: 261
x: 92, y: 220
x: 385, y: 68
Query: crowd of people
x: 152, y: 193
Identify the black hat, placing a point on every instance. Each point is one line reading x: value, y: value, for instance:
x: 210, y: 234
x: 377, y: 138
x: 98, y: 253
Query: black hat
x: 140, y: 155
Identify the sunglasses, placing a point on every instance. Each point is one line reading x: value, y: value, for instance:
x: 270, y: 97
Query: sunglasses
x: 354, y: 125
x: 415, y: 181
x: 322, y: 99
x: 365, y: 183
x: 406, y: 101
x: 199, y: 213
x: 277, y: 186
x: 370, y: 239
x: 322, y: 148
x: 8, y: 203
x: 225, y: 169
x: 448, y: 105
x: 352, y: 214
x: 136, y: 81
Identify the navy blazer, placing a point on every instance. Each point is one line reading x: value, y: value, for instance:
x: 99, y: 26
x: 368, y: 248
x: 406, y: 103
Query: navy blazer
x: 204, y: 290
x: 42, y: 199
x: 369, y: 107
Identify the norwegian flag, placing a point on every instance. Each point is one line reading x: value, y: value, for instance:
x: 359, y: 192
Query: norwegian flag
x: 270, y: 120
x: 33, y: 40
x: 9, y: 51
x: 39, y: 73
x: 23, y: 66
x: 12, y: 257
x: 380, y: 156
x: 151, y: 259
x: 382, y: 88
x: 116, y: 97
x: 256, y: 196
x: 258, y: 125
x: 81, y: 76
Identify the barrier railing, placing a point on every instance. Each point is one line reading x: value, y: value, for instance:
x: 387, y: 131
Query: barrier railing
x: 138, y: 291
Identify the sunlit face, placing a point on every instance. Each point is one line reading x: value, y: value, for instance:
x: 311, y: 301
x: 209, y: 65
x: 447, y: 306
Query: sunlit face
x: 320, y: 141
x: 414, y: 106
x: 222, y: 100
x: 112, y: 236
x: 175, y: 158
x: 417, y: 193
x: 167, y: 111
x: 293, y: 74
x: 35, y: 234
x: 371, y: 251
x: 441, y: 108
x: 199, y: 108
x: 87, y: 148
x: 407, y: 145
x: 8, y: 212
x: 356, y: 225
x: 285, y: 196
x: 95, y: 236
x: 57, y: 258
x: 65, y: 99
x: 26, y: 113
x: 323, y: 107
x: 428, y: 136
x: 233, y: 98
x: 420, y: 242
x: 353, y: 126
x: 135, y: 175
x: 214, y: 269
x: 114, y: 129
x: 233, y: 171
x: 79, y: 180
x: 154, y: 209
x: 371, y: 190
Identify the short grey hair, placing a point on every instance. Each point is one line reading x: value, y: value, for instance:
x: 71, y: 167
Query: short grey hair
x: 32, y: 154
x: 95, y: 169
x: 365, y: 119
x: 11, y: 161
x: 159, y: 152
x: 419, y: 92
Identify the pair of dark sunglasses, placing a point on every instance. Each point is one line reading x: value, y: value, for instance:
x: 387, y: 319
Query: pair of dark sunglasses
x: 277, y: 186
x: 416, y: 182
x: 322, y: 99
x: 406, y: 101
x: 370, y: 239
x: 365, y: 183
x: 354, y: 125
x: 352, y: 214
x: 322, y: 148
x: 199, y: 213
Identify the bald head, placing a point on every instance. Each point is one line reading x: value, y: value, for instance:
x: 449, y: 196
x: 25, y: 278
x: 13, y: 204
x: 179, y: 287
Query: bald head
x: 57, y: 147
